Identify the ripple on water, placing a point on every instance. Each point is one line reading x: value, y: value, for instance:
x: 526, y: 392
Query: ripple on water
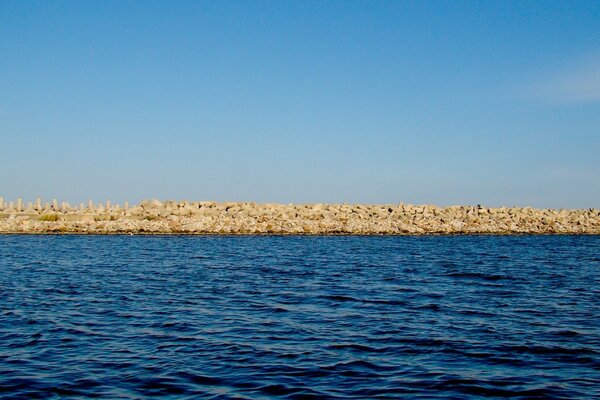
x: 299, y: 317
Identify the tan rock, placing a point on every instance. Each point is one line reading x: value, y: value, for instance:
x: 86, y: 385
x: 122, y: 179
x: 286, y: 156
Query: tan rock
x: 151, y: 204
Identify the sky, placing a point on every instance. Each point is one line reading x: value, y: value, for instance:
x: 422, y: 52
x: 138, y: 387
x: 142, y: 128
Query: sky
x: 442, y: 102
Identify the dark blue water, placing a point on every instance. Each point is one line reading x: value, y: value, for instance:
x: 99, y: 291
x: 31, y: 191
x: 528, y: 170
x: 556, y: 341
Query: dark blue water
x: 299, y: 317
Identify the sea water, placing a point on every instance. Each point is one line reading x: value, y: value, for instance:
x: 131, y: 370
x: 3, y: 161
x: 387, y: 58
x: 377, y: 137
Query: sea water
x: 261, y: 317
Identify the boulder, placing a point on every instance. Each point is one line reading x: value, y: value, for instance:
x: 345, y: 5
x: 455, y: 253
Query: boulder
x: 151, y: 204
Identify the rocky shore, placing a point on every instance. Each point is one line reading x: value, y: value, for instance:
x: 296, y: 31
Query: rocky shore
x: 184, y: 217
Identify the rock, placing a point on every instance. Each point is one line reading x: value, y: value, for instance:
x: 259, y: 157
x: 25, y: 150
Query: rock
x: 153, y: 216
x: 151, y: 204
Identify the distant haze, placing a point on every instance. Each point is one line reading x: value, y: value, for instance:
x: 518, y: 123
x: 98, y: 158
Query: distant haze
x: 492, y: 103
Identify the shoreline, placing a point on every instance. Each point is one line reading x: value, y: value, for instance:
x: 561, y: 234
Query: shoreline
x: 190, y: 234
x: 154, y: 217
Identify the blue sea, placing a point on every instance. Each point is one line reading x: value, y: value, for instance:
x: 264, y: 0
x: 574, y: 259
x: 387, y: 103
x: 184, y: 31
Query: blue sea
x: 260, y: 317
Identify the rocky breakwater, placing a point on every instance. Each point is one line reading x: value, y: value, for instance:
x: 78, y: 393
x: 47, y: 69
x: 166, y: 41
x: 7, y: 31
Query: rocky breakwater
x: 183, y: 217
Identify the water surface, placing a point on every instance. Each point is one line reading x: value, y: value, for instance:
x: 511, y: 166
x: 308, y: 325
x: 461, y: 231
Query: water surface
x: 299, y: 317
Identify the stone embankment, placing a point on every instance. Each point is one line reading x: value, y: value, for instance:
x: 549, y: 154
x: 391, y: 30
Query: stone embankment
x: 183, y: 217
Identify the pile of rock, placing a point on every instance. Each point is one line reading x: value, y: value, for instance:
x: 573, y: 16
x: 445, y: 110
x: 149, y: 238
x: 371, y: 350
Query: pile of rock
x: 154, y: 216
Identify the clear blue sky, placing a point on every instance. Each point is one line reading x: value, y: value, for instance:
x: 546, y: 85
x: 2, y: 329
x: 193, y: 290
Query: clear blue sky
x: 441, y: 102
